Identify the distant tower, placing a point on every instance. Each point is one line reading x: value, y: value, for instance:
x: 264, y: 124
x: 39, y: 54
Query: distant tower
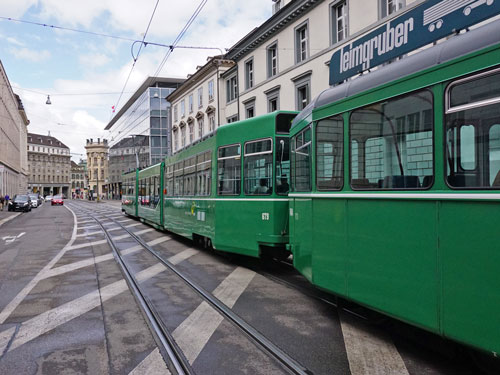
x: 97, y: 167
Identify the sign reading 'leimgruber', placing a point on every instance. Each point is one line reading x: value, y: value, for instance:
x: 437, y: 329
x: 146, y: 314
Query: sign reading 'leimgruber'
x: 424, y: 24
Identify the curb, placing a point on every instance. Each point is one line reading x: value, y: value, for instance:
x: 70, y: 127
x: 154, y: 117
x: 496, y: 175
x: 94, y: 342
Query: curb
x: 3, y: 221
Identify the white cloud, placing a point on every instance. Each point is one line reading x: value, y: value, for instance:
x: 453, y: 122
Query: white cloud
x: 29, y: 54
x: 94, y: 60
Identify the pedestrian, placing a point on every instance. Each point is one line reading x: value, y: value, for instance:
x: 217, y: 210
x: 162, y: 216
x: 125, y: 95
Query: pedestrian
x: 2, y: 199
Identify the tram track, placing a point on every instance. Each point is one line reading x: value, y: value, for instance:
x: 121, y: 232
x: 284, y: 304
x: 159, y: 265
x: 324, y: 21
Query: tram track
x: 172, y: 351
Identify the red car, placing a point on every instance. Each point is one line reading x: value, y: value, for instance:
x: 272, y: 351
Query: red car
x: 57, y: 200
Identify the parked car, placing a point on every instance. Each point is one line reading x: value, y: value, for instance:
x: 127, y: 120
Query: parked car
x: 57, y: 200
x: 21, y: 202
x: 34, y: 200
x: 48, y: 198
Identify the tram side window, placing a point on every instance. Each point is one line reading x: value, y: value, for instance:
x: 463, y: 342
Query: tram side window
x: 301, y: 160
x: 330, y: 153
x: 472, y: 151
x: 203, y: 173
x: 258, y: 167
x: 178, y: 173
x: 142, y: 192
x: 282, y: 165
x: 392, y: 144
x: 169, y: 180
x: 229, y: 170
x: 189, y: 175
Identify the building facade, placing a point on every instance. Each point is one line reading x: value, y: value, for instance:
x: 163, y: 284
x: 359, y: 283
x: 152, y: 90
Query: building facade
x: 78, y: 181
x: 13, y: 140
x: 49, y: 163
x: 147, y: 113
x: 196, y: 106
x: 284, y: 63
x: 97, y: 167
x: 127, y: 154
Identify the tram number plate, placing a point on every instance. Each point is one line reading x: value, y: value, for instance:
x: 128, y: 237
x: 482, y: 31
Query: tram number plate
x: 265, y: 216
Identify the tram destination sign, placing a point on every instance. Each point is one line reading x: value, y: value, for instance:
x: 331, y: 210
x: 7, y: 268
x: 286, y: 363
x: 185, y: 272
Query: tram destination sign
x: 427, y: 22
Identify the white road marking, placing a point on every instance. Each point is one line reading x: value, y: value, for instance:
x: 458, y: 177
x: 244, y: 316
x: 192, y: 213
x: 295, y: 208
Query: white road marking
x: 25, y: 291
x: 370, y: 351
x: 194, y: 332
x: 132, y: 225
x: 89, y: 234
x: 86, y: 222
x: 88, y: 227
x: 153, y: 364
x: 90, y: 261
x: 87, y: 244
x: 47, y: 321
x: 5, y: 337
x: 10, y: 239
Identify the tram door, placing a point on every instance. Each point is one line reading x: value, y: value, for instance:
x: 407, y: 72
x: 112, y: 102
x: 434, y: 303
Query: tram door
x: 301, y: 207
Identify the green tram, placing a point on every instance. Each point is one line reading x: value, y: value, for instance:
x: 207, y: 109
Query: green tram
x: 395, y: 189
x: 230, y: 191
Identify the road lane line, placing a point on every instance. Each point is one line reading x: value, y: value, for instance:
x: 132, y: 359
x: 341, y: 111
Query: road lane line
x: 194, y: 332
x: 86, y: 222
x: 153, y: 364
x: 48, y: 320
x: 132, y: 225
x: 88, y: 227
x: 90, y: 261
x: 87, y: 244
x: 5, y: 337
x: 370, y: 351
x: 25, y: 291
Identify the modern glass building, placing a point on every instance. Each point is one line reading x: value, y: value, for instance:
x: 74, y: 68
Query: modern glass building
x: 143, y: 127
x: 147, y: 114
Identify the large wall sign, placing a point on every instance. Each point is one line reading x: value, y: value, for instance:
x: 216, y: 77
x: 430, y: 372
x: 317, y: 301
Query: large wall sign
x: 424, y: 24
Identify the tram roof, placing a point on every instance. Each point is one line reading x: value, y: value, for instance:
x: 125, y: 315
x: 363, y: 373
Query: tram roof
x: 455, y: 47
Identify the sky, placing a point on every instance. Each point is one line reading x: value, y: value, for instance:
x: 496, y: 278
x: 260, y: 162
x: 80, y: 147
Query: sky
x: 84, y: 74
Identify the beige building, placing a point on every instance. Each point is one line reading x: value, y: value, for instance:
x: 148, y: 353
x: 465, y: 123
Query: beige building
x: 13, y: 147
x: 97, y: 167
x: 49, y: 163
x: 78, y: 180
x: 196, y: 106
x: 284, y: 63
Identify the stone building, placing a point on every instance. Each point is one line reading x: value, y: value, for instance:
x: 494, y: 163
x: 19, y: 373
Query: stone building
x: 196, y: 104
x: 97, y: 167
x: 127, y: 154
x: 13, y: 138
x: 78, y: 180
x: 49, y: 163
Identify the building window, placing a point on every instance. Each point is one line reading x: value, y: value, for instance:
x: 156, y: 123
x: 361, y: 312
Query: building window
x: 200, y: 97
x: 387, y: 7
x: 273, y: 103
x: 272, y: 60
x: 301, y: 43
x: 200, y: 127
x: 249, y: 74
x: 191, y: 104
x: 183, y: 108
x: 191, y: 132
x: 339, y: 22
x: 211, y: 122
x: 176, y: 114
x: 176, y: 140
x: 302, y: 92
x: 183, y: 136
x: 232, y: 119
x: 250, y: 109
x: 231, y: 89
x: 210, y: 90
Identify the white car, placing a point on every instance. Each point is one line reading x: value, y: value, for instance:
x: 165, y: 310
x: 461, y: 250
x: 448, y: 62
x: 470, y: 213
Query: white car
x: 34, y: 200
x: 48, y: 198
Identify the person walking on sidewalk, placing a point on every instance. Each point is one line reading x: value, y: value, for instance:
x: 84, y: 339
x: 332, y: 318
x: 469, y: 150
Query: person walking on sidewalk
x: 2, y: 199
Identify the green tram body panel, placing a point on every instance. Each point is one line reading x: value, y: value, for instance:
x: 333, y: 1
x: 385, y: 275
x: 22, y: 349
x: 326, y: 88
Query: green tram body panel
x: 129, y: 198
x: 428, y: 260
x: 150, y: 193
x: 234, y: 223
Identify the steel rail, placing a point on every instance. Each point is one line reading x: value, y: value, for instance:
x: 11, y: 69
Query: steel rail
x: 178, y: 363
x: 283, y: 358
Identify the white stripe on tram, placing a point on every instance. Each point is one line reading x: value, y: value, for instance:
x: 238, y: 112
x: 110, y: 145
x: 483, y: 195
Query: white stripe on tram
x: 437, y: 196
